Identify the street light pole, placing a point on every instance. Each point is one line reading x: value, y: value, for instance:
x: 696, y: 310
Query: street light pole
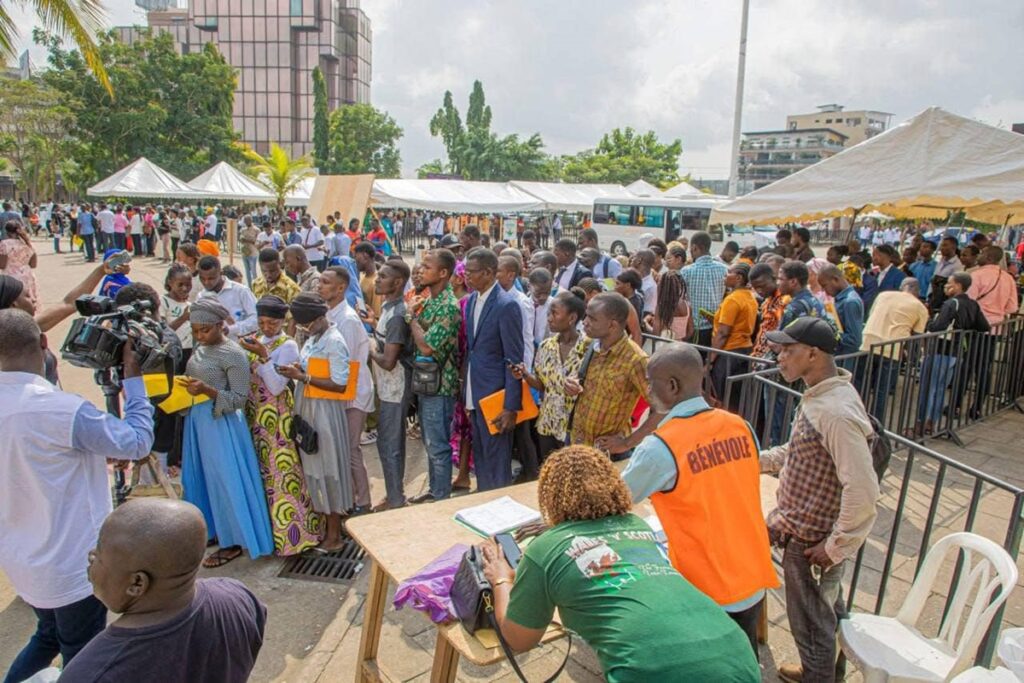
x: 734, y: 166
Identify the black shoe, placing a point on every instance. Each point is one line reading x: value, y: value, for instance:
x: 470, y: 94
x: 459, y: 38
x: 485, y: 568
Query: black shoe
x: 422, y: 498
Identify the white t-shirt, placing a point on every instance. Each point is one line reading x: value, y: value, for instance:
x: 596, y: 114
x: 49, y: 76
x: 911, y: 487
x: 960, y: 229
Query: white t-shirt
x: 272, y: 240
x: 106, y: 220
x: 241, y: 304
x: 211, y: 225
x: 136, y: 223
x: 311, y: 236
x: 172, y: 309
x: 650, y: 292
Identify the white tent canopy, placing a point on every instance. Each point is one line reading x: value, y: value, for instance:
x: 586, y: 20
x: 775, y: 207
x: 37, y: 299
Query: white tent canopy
x: 300, y: 195
x: 143, y: 178
x: 936, y: 161
x: 452, y: 195
x: 224, y: 181
x: 642, y: 188
x: 683, y: 189
x: 569, y: 196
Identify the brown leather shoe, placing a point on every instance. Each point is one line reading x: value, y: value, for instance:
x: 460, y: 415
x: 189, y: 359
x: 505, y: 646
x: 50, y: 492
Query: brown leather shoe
x: 791, y: 673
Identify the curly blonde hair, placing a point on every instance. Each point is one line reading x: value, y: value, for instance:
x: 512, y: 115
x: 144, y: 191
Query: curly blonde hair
x: 580, y: 482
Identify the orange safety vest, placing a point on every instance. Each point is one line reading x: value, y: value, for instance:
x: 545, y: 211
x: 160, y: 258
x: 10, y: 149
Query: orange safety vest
x: 717, y: 537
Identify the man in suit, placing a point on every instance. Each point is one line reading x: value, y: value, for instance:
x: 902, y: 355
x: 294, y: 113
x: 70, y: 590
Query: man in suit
x: 494, y: 342
x: 885, y: 276
x: 570, y: 271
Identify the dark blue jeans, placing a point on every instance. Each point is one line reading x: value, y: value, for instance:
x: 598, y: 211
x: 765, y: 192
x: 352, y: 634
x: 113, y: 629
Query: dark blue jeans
x: 62, y: 630
x: 814, y: 607
x: 89, y: 242
x: 436, y: 424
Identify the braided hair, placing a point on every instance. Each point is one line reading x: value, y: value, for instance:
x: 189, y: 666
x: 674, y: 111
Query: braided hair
x: 671, y: 289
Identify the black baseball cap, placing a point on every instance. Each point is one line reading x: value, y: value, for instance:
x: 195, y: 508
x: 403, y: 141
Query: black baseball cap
x: 807, y: 330
x: 449, y: 241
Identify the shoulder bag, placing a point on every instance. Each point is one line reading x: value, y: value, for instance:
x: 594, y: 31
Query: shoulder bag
x: 473, y: 600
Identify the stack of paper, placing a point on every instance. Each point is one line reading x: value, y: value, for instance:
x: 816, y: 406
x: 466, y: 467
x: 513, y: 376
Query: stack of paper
x: 498, y: 516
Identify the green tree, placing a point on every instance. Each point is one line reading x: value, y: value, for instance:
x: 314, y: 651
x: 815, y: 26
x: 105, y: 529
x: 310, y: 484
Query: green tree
x: 623, y: 156
x: 278, y: 171
x: 477, y: 153
x: 35, y: 121
x: 364, y: 140
x: 432, y: 167
x: 173, y: 109
x: 76, y: 19
x: 321, y: 127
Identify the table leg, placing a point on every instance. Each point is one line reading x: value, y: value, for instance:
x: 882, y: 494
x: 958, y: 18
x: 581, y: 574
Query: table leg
x: 373, y: 617
x: 446, y: 661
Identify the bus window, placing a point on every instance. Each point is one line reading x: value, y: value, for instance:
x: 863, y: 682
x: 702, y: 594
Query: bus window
x: 673, y: 225
x: 619, y: 214
x: 650, y: 216
x: 600, y: 213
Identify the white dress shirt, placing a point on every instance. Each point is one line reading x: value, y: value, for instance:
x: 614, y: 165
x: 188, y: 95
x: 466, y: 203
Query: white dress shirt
x: 477, y: 313
x: 311, y: 236
x: 565, y: 280
x: 358, y: 342
x: 241, y: 304
x: 529, y: 315
x: 540, y: 322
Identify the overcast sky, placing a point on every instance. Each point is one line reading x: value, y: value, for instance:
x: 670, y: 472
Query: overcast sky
x: 573, y: 69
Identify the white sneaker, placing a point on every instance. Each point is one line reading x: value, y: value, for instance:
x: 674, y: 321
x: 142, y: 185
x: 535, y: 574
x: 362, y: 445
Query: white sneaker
x: 368, y: 437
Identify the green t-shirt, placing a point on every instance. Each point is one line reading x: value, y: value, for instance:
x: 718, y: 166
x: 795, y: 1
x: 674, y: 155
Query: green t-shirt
x: 614, y: 587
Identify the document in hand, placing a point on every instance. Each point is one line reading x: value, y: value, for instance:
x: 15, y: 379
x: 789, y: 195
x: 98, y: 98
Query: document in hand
x: 497, y: 517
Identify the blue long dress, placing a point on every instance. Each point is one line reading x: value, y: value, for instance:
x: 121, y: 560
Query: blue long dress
x: 220, y: 470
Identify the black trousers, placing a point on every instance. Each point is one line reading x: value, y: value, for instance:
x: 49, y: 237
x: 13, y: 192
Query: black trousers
x: 747, y: 620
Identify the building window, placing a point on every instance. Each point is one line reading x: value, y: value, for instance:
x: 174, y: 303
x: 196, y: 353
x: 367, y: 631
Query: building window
x: 296, y: 8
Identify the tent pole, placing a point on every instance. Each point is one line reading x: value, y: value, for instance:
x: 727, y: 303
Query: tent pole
x: 734, y: 164
x: 851, y: 231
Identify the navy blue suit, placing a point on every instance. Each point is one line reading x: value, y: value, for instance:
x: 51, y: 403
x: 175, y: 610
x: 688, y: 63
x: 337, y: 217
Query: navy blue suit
x: 872, y: 287
x: 498, y: 336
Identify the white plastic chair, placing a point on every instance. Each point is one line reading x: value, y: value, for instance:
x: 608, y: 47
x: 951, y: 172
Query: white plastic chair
x: 892, y: 649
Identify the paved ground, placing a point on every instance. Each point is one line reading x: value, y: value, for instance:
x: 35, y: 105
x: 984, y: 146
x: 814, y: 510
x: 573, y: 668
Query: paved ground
x: 314, y: 628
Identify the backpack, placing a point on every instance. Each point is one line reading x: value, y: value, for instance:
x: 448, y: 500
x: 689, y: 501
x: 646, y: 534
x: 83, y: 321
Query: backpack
x: 880, y: 447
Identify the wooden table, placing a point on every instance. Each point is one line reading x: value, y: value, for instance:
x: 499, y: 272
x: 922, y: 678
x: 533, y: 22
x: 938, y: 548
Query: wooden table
x: 401, y: 542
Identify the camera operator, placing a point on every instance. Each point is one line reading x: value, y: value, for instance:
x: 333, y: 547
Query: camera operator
x: 54, y: 492
x: 167, y: 434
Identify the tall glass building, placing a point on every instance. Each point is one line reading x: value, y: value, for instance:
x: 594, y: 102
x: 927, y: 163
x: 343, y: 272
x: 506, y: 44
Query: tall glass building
x: 275, y: 45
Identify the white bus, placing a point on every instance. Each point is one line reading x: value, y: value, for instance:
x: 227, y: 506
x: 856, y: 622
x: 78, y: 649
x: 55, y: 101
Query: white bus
x: 620, y: 222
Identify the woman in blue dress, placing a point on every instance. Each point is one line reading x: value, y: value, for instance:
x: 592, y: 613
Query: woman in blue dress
x: 220, y: 471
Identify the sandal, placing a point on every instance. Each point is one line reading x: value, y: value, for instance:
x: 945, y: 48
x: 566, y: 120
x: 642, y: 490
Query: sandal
x: 222, y: 557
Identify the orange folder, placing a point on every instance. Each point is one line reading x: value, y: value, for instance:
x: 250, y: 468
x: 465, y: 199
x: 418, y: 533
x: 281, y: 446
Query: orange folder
x: 321, y: 367
x: 495, y: 403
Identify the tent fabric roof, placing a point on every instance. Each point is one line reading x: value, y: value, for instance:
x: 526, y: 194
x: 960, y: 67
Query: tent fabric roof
x: 936, y: 161
x: 642, y: 188
x: 569, y: 196
x: 143, y: 178
x: 683, y: 189
x: 452, y: 195
x: 224, y: 181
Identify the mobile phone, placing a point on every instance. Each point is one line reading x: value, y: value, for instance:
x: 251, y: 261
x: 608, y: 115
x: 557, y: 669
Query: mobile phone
x: 511, y: 549
x: 279, y: 368
x: 119, y: 259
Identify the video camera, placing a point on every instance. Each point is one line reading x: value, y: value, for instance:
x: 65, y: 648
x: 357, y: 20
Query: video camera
x: 97, y: 339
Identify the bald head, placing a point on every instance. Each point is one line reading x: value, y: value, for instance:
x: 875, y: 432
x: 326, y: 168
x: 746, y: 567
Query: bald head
x: 295, y: 259
x: 148, y: 555
x: 676, y: 372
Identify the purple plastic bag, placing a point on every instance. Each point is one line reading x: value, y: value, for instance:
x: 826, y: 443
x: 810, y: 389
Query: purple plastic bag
x: 429, y: 589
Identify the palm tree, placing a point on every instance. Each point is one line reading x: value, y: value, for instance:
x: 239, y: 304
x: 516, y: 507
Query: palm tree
x: 77, y: 19
x: 278, y: 171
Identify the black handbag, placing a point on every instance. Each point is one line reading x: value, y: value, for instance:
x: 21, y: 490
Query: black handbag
x: 473, y: 599
x: 426, y: 376
x: 304, y: 435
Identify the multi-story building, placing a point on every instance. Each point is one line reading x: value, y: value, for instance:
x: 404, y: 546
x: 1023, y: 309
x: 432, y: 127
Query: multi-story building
x: 857, y: 126
x: 275, y: 45
x: 766, y: 156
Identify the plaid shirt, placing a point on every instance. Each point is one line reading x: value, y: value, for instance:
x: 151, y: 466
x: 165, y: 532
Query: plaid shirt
x: 616, y: 379
x: 827, y: 487
x: 771, y: 316
x: 705, y: 283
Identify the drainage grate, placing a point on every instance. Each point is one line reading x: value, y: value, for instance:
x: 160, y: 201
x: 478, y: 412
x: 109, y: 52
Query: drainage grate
x: 338, y: 566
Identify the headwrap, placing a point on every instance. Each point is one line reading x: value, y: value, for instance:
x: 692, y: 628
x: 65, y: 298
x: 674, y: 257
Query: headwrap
x: 10, y: 289
x: 207, y: 311
x: 208, y: 248
x: 271, y: 306
x: 308, y: 307
x: 460, y: 272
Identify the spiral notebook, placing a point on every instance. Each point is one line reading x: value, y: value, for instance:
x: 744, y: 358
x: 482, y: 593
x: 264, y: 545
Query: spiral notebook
x: 498, y: 516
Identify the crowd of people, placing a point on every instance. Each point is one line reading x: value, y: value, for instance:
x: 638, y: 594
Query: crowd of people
x: 329, y: 342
